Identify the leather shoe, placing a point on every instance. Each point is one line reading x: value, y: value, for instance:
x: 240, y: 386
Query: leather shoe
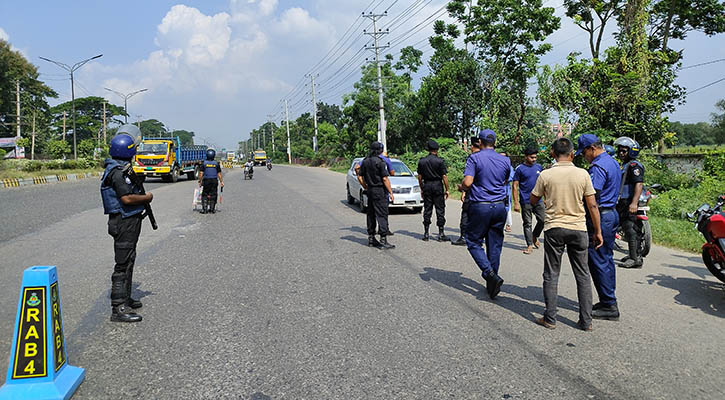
x: 610, y: 313
x: 123, y: 314
x: 459, y: 242
x: 493, y: 285
x: 133, y: 303
x: 543, y: 322
x: 632, y: 263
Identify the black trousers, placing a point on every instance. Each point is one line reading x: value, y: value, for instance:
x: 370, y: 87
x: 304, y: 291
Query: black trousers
x: 527, y: 212
x: 209, y: 191
x: 434, y: 196
x: 464, y: 217
x: 377, y: 212
x: 631, y: 227
x: 125, y: 232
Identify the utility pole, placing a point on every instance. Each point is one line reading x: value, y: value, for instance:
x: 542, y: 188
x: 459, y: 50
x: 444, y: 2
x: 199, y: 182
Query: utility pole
x: 17, y: 107
x: 314, y: 111
x: 104, y: 123
x: 32, y: 146
x: 72, y: 93
x: 138, y: 120
x: 289, y: 151
x: 376, y: 35
x: 269, y: 126
x: 64, y: 115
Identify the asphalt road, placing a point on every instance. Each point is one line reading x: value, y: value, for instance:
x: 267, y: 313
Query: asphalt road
x: 278, y: 297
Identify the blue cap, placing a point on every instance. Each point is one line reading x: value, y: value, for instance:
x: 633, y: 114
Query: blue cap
x: 585, y: 141
x: 484, y: 134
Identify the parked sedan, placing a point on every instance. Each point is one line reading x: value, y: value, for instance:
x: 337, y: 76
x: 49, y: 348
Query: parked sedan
x: 404, y: 184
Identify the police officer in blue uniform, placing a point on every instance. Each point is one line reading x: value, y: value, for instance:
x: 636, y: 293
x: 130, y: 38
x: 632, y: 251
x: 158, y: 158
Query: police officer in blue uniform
x: 605, y: 175
x: 486, y: 177
x: 632, y: 186
x: 124, y: 205
x: 465, y: 200
x: 210, y: 181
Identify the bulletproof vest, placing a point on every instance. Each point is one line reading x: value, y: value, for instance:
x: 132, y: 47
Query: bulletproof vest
x: 210, y: 169
x: 111, y: 203
x: 628, y: 187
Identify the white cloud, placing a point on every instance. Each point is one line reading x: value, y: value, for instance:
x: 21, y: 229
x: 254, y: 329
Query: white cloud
x: 4, y: 35
x: 198, y: 38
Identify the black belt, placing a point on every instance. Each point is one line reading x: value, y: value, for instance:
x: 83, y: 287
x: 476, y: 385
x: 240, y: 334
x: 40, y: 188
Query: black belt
x: 490, y: 202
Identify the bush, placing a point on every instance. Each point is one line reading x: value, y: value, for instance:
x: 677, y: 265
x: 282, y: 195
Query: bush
x: 2, y: 154
x: 32, y: 166
x: 657, y: 172
x: 54, y: 164
x: 676, y: 203
x: 58, y: 148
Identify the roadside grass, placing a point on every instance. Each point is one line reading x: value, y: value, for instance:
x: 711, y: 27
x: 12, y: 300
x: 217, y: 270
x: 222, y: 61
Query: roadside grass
x: 341, y: 168
x: 678, y: 234
x: 16, y: 174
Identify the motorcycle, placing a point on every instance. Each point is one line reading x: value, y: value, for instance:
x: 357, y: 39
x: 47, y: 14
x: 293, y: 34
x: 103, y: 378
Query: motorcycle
x: 645, y: 243
x: 248, y: 172
x: 711, y: 223
x: 269, y: 165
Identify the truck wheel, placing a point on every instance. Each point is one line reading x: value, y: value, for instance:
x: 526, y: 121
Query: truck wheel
x: 191, y: 175
x: 175, y: 174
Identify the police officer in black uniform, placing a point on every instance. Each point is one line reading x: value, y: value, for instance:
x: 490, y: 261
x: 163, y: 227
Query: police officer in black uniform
x: 475, y: 142
x: 433, y: 180
x: 373, y: 176
x: 124, y: 204
x: 210, y: 180
x: 632, y: 185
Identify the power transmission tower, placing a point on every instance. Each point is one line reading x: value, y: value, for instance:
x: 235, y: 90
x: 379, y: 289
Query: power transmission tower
x: 289, y: 150
x: 314, y: 110
x: 376, y: 35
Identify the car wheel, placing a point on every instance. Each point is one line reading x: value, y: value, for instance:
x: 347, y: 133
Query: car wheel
x: 363, y: 202
x: 417, y: 210
x: 350, y: 199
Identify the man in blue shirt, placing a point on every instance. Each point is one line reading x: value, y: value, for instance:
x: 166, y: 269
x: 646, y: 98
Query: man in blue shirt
x: 486, y: 177
x: 525, y: 178
x: 606, y: 178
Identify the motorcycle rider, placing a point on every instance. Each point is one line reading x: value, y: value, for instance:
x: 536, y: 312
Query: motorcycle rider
x: 210, y: 180
x: 249, y: 168
x: 631, y: 188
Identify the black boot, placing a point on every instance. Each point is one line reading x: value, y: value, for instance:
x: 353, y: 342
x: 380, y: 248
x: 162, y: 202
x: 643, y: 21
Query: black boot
x: 634, y: 260
x: 133, y: 303
x: 461, y: 241
x: 372, y: 242
x: 442, y: 235
x: 426, y: 235
x: 610, y: 313
x: 212, y: 206
x: 493, y: 284
x: 129, y: 281
x: 204, y: 205
x: 121, y: 313
x: 384, y: 243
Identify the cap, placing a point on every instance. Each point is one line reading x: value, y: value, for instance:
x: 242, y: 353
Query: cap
x: 585, y: 141
x: 484, y: 134
x: 432, y: 145
x: 376, y: 146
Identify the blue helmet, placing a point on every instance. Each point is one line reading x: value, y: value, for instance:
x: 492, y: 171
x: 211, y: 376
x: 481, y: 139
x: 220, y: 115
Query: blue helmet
x: 210, y: 154
x: 123, y: 147
x: 610, y: 150
x: 630, y: 143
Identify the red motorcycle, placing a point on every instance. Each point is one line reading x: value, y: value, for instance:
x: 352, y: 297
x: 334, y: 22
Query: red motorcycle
x: 711, y: 223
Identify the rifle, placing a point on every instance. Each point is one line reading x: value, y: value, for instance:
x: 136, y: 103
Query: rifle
x: 136, y: 181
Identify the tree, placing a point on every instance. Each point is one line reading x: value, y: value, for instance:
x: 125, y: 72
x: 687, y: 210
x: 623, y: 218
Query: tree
x: 410, y: 60
x: 186, y: 137
x: 509, y: 36
x: 153, y: 128
x: 330, y: 113
x: 718, y: 121
x: 674, y: 19
x: 592, y: 16
x: 89, y: 116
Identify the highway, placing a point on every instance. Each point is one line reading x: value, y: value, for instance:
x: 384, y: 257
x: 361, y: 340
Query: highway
x: 277, y: 296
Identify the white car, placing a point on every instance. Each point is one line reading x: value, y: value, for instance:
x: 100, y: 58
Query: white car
x: 404, y: 183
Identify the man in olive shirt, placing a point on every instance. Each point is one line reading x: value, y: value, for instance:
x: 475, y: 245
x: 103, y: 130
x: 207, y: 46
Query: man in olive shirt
x: 563, y: 187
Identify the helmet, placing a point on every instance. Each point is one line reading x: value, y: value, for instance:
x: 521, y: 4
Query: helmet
x: 210, y: 154
x: 610, y: 150
x: 131, y: 130
x: 123, y: 147
x: 630, y: 143
x: 377, y: 146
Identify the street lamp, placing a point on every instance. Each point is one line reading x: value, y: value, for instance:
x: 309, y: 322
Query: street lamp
x: 125, y: 98
x: 72, y: 93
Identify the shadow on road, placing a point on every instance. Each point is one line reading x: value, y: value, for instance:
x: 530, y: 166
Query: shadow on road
x: 706, y: 296
x: 700, y: 272
x: 526, y: 309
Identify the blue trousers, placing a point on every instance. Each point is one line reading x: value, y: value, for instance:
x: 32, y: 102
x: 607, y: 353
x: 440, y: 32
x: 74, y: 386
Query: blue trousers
x: 601, y: 261
x: 486, y: 221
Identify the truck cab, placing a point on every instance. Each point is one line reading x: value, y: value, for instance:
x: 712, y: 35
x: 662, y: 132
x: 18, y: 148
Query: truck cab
x: 260, y: 157
x: 167, y: 158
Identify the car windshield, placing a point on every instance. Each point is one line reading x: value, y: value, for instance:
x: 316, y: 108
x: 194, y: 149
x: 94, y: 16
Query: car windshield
x: 401, y: 169
x: 261, y: 154
x: 152, y: 148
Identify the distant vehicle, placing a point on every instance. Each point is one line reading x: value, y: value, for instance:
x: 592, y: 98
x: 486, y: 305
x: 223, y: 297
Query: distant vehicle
x: 168, y: 158
x: 404, y: 183
x: 260, y: 157
x: 231, y: 157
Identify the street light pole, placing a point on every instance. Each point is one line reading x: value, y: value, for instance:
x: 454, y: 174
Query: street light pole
x: 125, y: 98
x: 72, y: 93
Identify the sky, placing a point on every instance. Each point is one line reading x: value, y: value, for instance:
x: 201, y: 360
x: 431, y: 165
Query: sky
x: 220, y: 68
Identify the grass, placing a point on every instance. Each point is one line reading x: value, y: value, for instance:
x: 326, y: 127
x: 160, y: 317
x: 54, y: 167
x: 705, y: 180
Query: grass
x: 16, y: 174
x: 678, y: 234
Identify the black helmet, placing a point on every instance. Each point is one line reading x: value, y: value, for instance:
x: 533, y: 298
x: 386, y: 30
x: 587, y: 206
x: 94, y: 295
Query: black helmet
x: 210, y: 154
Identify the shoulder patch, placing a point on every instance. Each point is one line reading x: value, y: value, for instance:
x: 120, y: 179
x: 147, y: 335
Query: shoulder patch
x: 636, y: 172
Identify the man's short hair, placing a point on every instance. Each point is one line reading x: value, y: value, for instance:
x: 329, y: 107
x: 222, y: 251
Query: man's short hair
x: 475, y: 141
x: 531, y: 150
x: 562, y: 147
